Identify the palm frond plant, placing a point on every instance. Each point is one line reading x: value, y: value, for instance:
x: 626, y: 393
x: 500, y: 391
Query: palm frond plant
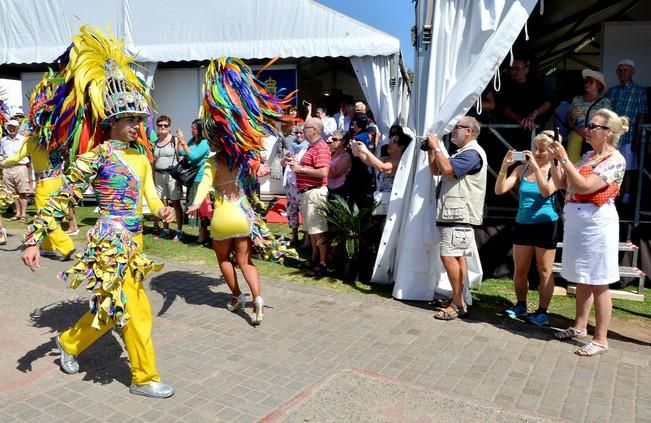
x: 349, y: 223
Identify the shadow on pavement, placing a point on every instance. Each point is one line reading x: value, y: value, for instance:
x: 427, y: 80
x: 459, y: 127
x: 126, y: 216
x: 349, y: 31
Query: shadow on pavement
x: 193, y: 288
x: 101, y: 362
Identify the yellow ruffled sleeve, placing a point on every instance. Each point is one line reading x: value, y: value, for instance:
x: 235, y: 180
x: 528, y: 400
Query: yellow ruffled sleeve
x: 76, y: 180
x: 206, y: 182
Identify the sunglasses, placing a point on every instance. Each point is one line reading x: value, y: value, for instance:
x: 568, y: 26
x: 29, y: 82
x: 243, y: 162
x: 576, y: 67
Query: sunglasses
x: 162, y: 125
x: 335, y: 139
x: 461, y: 127
x: 298, y: 133
x: 593, y: 126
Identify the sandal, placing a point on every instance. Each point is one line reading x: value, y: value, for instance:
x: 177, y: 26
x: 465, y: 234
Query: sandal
x: 308, y: 264
x: 318, y: 270
x: 570, y: 333
x: 590, y: 349
x: 450, y: 313
x: 14, y: 218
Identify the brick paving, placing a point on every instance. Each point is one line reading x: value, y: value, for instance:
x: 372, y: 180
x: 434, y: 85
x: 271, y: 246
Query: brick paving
x: 223, y: 369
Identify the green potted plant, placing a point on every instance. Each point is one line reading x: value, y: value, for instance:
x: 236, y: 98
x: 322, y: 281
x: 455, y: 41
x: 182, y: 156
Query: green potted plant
x: 349, y: 226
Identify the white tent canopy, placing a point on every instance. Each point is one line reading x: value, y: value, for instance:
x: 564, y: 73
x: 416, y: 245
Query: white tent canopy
x: 38, y: 31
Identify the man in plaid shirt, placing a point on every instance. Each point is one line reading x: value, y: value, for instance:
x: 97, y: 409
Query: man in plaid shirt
x: 629, y: 99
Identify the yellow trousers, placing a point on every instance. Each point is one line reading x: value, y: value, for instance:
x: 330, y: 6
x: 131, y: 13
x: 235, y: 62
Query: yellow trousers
x: 57, y: 240
x: 136, y: 333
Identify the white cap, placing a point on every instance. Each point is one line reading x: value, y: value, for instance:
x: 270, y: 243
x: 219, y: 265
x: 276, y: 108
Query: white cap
x: 627, y: 62
x: 12, y: 122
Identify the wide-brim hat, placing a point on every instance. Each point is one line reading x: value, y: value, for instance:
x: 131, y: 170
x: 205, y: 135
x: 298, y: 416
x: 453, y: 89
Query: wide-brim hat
x: 597, y: 76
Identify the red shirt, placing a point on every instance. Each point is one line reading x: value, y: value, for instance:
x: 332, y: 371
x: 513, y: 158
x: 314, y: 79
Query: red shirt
x: 316, y: 156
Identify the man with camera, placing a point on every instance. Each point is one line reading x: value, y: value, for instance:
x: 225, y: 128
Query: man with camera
x: 460, y: 204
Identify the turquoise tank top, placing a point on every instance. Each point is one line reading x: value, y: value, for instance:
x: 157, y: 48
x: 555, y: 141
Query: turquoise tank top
x: 533, y: 207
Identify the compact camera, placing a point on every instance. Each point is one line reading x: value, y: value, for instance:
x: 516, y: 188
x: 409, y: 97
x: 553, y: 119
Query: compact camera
x: 518, y: 156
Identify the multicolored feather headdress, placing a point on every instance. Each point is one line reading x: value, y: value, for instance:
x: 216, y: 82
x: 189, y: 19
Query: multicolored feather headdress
x: 237, y: 110
x: 95, y: 84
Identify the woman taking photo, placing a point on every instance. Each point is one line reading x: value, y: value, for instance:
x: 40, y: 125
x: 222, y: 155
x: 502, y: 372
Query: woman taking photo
x: 340, y: 164
x: 591, y: 236
x: 196, y: 151
x: 536, y: 224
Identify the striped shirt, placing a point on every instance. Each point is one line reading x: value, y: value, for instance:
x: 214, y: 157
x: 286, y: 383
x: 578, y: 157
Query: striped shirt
x: 628, y: 100
x: 316, y: 156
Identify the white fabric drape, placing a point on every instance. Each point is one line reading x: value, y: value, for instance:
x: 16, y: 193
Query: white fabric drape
x: 374, y: 76
x: 469, y: 41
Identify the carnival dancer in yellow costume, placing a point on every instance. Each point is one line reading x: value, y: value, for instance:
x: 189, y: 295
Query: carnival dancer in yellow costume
x: 238, y: 113
x: 110, y: 105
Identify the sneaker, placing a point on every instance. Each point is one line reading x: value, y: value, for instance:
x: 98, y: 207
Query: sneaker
x: 539, y: 318
x: 516, y: 311
x: 3, y: 236
x: 178, y: 237
x: 165, y: 233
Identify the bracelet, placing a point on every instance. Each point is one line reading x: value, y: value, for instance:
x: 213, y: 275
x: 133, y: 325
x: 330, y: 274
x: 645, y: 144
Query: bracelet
x: 502, y: 173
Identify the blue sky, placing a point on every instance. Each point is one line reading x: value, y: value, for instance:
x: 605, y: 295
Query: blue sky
x: 395, y: 17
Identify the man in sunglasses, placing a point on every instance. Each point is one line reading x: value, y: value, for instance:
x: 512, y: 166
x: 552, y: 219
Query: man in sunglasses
x: 460, y: 204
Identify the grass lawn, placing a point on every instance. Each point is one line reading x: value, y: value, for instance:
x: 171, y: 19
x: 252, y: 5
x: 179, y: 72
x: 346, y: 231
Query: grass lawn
x: 493, y: 297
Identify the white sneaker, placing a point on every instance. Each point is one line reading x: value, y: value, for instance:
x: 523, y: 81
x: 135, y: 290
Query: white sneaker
x: 3, y: 236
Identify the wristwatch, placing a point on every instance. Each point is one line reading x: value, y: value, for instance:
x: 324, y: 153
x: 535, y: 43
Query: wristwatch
x: 437, y: 150
x: 563, y: 161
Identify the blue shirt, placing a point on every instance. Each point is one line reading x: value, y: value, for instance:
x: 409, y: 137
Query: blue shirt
x: 533, y: 207
x: 628, y: 100
x: 466, y: 163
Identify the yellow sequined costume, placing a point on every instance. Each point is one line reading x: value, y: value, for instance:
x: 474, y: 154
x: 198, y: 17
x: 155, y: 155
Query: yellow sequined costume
x: 48, y: 180
x: 112, y: 264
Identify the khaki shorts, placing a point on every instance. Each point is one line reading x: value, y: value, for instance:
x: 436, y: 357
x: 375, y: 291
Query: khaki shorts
x: 167, y: 187
x: 456, y: 241
x: 313, y: 223
x: 16, y: 179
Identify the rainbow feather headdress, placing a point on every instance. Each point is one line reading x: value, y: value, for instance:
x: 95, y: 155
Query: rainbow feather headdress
x: 237, y: 110
x: 95, y: 84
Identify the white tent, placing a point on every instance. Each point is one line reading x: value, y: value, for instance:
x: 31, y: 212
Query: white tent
x: 460, y: 46
x: 37, y: 31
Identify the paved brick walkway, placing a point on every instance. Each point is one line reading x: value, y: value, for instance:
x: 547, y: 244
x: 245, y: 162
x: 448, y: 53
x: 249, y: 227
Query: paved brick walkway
x: 225, y: 370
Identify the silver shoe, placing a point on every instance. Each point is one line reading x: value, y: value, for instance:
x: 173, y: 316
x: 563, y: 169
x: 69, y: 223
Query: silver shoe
x: 69, y: 362
x: 152, y: 390
x: 240, y: 303
x: 256, y: 316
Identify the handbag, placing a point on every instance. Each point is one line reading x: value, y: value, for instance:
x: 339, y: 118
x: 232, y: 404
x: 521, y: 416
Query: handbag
x: 184, y: 172
x: 599, y: 197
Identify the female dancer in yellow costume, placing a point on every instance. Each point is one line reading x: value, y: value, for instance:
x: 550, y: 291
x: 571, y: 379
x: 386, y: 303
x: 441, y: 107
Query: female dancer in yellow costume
x: 48, y: 180
x: 230, y: 229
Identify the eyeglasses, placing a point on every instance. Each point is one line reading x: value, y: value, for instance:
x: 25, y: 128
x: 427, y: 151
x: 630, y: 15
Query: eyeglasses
x: 335, y: 139
x: 460, y: 127
x: 298, y: 133
x: 163, y: 125
x: 309, y: 127
x: 593, y: 126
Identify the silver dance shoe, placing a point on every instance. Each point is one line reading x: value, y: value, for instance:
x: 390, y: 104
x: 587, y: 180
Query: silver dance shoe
x: 69, y: 362
x: 152, y: 390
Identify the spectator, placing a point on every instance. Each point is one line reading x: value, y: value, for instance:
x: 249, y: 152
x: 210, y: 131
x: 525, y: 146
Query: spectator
x: 169, y: 190
x: 460, y: 204
x: 196, y: 151
x: 311, y: 180
x: 590, y: 240
x: 340, y: 164
x: 583, y: 108
x: 343, y: 116
x: 329, y: 124
x: 294, y: 153
x: 16, y: 178
x: 524, y: 102
x: 629, y: 99
x: 536, y: 225
x: 386, y: 166
x: 359, y: 128
x: 294, y: 118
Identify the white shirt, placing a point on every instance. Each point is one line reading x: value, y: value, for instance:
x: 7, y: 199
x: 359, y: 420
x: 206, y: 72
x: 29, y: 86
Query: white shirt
x: 10, y: 146
x: 342, y: 121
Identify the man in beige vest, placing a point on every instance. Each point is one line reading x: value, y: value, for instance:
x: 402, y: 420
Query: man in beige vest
x: 460, y: 205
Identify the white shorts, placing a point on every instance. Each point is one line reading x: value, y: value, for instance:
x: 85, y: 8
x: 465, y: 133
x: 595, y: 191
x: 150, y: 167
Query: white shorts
x: 167, y: 187
x: 456, y: 241
x: 313, y: 223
